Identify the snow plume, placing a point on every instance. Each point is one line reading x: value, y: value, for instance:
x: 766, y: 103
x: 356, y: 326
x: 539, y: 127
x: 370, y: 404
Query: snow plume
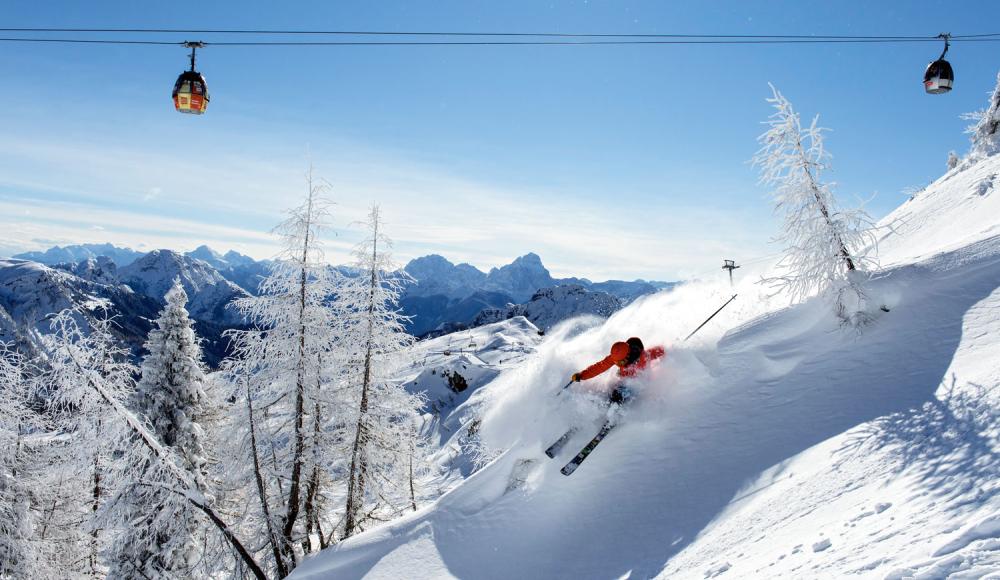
x: 828, y: 250
x: 528, y: 411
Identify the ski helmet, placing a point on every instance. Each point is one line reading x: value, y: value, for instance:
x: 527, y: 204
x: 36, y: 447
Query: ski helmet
x: 619, y: 351
x: 635, y: 348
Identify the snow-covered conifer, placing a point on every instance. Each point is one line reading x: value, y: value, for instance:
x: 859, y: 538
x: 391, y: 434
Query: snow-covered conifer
x: 383, y: 423
x: 985, y: 132
x: 87, y: 368
x: 172, y: 391
x: 172, y: 397
x: 827, y: 249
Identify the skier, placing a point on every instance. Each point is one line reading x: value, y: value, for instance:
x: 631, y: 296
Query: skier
x: 631, y: 358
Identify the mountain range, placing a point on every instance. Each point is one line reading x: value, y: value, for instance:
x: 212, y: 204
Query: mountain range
x: 448, y: 297
x: 442, y: 297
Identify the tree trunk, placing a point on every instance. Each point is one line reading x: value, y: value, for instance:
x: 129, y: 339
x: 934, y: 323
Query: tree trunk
x: 272, y: 538
x: 292, y: 513
x: 356, y: 485
x: 96, y: 505
x: 313, y: 487
x: 846, y: 255
x: 413, y: 495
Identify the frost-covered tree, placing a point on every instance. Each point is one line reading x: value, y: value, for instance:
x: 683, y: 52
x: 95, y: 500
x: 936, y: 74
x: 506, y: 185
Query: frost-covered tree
x: 86, y: 368
x: 985, y: 132
x: 282, y: 368
x: 827, y: 250
x: 19, y: 557
x: 172, y: 397
x: 89, y: 382
x: 172, y: 391
x: 382, y: 427
x: 953, y: 160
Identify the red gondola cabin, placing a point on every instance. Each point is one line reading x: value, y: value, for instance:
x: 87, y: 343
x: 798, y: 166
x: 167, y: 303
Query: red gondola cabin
x: 191, y: 93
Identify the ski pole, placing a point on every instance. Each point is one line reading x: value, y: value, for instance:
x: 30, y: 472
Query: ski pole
x: 564, y: 388
x: 710, y: 317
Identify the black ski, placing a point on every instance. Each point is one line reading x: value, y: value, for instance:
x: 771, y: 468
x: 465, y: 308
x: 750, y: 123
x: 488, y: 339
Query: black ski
x: 556, y: 447
x: 570, y: 467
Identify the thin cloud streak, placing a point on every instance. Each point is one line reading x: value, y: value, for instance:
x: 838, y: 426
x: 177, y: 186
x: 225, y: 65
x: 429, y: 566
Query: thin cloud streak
x: 161, y: 198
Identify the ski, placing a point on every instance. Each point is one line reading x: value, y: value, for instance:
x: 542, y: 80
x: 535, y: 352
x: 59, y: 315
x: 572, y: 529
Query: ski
x: 556, y: 447
x: 570, y: 467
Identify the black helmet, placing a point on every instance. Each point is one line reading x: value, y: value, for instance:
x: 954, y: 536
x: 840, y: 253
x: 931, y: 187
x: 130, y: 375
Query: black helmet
x: 635, y: 349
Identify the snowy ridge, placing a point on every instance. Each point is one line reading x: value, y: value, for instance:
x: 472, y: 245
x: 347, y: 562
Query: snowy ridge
x: 960, y: 208
x: 210, y: 293
x: 73, y: 254
x: 446, y: 296
x: 31, y: 293
x: 450, y: 371
x: 775, y: 444
x: 550, y: 306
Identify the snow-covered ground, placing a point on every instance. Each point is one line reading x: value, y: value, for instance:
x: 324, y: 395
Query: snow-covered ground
x: 450, y: 371
x: 774, y: 444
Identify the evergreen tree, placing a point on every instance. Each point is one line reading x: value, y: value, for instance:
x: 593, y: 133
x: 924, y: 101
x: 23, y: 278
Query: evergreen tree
x: 985, y: 133
x: 172, y: 397
x: 172, y: 391
x: 953, y: 160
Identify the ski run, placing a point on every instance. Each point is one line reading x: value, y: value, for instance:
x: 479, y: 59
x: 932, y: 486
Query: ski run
x: 774, y: 444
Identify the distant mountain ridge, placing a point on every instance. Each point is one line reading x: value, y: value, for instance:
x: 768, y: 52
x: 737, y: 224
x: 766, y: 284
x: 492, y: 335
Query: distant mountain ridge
x: 31, y: 292
x: 241, y: 270
x: 447, y: 297
x: 76, y: 253
x: 550, y: 306
x: 443, y: 296
x: 209, y: 292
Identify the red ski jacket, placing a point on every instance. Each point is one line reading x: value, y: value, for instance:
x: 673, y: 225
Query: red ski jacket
x: 625, y: 372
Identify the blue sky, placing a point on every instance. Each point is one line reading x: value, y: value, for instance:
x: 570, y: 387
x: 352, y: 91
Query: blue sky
x: 608, y: 161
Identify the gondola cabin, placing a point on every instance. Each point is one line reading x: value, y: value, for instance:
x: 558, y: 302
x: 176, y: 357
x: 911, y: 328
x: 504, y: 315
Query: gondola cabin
x: 939, y: 77
x: 191, y: 93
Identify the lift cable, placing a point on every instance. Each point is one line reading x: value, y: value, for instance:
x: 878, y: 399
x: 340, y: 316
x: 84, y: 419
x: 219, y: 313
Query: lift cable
x: 494, y: 42
x: 490, y: 34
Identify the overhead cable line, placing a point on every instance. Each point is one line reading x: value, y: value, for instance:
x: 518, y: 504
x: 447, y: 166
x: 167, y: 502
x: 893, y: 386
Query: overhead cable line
x: 490, y: 42
x: 492, y: 34
x: 190, y: 94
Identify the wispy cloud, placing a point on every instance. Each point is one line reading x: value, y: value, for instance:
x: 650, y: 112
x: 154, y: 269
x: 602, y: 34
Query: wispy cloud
x: 163, y: 198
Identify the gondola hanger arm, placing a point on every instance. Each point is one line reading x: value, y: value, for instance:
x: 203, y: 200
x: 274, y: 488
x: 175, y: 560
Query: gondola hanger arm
x: 947, y: 43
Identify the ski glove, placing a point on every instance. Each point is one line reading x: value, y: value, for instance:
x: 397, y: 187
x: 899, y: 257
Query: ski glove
x: 575, y: 378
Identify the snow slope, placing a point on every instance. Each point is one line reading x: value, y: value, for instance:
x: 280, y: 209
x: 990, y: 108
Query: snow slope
x: 775, y: 444
x: 450, y: 371
x: 30, y: 293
